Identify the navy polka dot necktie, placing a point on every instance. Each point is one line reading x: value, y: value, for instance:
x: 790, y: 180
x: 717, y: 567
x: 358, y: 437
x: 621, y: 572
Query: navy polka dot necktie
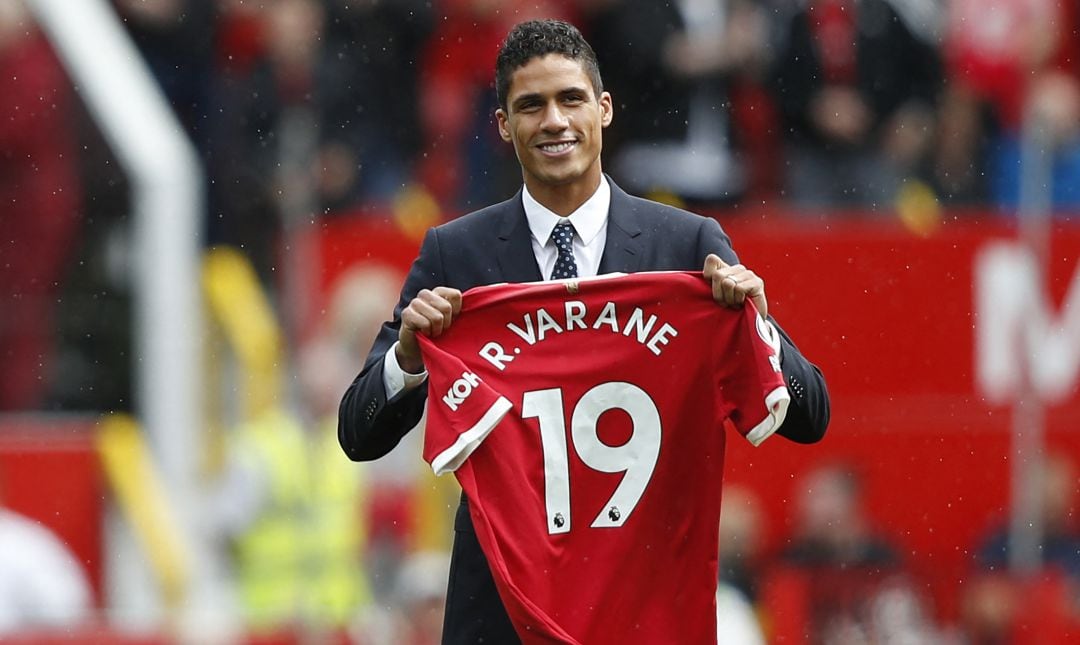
x: 565, y: 266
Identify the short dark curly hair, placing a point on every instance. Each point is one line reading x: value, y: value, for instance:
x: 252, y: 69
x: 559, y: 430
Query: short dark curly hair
x: 536, y: 39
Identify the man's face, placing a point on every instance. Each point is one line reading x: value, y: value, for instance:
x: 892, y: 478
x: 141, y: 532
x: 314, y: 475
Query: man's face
x: 554, y: 119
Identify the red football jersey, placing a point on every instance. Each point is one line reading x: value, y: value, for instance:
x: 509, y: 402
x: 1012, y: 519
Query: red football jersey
x: 585, y: 422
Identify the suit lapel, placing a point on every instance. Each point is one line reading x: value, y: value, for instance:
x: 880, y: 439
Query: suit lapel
x: 622, y: 251
x: 514, y: 246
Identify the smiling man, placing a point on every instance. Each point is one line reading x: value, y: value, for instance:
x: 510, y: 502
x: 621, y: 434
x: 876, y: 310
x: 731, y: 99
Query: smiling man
x: 569, y: 220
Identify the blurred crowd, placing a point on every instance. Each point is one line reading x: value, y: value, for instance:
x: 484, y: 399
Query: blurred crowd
x: 304, y: 110
x: 832, y: 575
x: 837, y: 577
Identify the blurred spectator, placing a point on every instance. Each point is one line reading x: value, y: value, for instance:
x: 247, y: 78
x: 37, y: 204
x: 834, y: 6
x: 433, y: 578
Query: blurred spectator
x: 306, y: 122
x: 741, y: 535
x: 40, y: 195
x: 264, y: 126
x: 413, y: 612
x: 370, y: 132
x: 1060, y: 548
x: 832, y: 528
x: 740, y: 545
x: 736, y: 620
x: 176, y: 38
x: 669, y: 67
x: 358, y: 302
x: 856, y: 587
x: 420, y: 595
x: 1010, y: 63
x: 857, y: 84
x: 42, y: 585
x: 466, y: 164
x: 996, y: 603
x: 998, y: 608
x: 988, y: 609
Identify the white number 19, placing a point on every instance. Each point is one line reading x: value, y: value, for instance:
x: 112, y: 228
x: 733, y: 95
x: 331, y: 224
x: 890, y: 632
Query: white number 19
x: 637, y: 457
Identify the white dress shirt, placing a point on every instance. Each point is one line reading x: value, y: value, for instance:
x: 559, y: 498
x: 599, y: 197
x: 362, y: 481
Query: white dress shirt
x: 590, y: 231
x: 590, y: 235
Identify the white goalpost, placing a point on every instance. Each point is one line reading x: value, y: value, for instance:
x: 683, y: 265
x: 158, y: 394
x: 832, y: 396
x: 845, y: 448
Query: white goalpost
x: 167, y: 183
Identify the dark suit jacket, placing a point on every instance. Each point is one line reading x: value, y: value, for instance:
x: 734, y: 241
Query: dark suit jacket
x: 492, y: 245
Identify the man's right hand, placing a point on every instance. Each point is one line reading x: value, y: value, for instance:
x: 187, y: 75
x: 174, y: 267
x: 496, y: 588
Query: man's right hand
x: 430, y: 313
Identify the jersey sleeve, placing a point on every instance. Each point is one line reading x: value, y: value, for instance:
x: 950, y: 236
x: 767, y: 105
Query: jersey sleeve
x: 462, y: 410
x: 751, y: 380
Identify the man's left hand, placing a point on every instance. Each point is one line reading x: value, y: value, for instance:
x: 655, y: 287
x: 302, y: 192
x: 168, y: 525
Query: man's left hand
x: 732, y: 284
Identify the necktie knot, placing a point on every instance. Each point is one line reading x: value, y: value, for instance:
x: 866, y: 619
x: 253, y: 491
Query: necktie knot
x: 565, y: 265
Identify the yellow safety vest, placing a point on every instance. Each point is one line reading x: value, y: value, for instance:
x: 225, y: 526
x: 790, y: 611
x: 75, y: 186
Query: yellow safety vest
x: 300, y: 560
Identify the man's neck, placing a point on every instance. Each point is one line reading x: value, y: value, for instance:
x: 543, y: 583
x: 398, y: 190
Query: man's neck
x: 564, y: 199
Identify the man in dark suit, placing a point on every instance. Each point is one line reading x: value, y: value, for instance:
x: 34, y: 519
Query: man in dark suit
x: 552, y: 108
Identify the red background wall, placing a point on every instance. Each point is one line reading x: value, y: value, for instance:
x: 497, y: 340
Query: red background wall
x: 888, y: 316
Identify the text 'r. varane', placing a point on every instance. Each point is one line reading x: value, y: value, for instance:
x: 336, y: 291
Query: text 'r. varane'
x: 539, y: 325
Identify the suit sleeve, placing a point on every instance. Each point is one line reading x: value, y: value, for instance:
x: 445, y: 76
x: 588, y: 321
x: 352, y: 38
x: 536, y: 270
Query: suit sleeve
x: 369, y: 425
x: 808, y: 411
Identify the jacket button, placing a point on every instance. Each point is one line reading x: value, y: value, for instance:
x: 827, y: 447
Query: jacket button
x: 796, y: 387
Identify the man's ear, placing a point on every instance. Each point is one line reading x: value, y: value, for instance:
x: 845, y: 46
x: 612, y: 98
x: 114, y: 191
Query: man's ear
x: 504, y: 125
x: 607, y: 109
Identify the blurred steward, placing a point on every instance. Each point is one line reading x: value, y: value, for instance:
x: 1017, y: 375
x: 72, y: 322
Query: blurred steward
x: 295, y: 513
x: 296, y: 523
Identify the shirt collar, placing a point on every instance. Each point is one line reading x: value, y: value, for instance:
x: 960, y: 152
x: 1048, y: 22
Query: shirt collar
x: 588, y: 220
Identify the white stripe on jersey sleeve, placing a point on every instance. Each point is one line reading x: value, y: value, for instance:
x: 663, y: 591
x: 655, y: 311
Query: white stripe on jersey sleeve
x: 777, y: 402
x: 451, y: 459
